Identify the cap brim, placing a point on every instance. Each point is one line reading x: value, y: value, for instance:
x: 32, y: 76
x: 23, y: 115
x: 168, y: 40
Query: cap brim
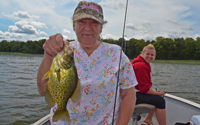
x: 83, y: 15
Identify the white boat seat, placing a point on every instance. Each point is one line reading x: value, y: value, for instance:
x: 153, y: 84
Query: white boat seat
x: 140, y: 109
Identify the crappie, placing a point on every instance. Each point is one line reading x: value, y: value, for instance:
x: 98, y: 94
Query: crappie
x: 63, y: 83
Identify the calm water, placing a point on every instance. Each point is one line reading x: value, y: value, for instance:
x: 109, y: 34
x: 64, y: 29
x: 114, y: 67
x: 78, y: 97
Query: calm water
x: 20, y: 103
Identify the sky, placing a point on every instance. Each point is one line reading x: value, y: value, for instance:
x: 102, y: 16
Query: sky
x: 23, y: 20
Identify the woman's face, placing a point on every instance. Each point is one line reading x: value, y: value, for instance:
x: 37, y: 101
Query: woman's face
x: 148, y: 55
x: 87, y: 32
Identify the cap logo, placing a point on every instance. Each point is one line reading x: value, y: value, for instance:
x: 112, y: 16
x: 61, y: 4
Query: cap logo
x: 90, y: 6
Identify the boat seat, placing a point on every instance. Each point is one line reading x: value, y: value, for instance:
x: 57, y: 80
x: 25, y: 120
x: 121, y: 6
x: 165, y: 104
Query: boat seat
x: 140, y: 109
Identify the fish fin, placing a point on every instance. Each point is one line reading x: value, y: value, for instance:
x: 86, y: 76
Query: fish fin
x: 61, y: 115
x: 46, y: 75
x: 77, y: 93
x: 48, y: 98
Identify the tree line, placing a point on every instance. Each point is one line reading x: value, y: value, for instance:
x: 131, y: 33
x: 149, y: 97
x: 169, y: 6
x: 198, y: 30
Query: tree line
x: 166, y: 48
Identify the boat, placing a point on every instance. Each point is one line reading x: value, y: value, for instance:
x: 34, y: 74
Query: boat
x: 178, y: 110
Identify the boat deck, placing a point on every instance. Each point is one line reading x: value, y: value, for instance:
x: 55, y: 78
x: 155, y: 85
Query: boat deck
x: 143, y: 123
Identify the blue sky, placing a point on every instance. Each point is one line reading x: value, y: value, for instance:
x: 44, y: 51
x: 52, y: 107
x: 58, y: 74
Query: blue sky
x: 146, y: 19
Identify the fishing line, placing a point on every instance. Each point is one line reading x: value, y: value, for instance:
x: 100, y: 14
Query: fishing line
x: 122, y: 45
x: 183, y: 92
x: 180, y: 92
x: 125, y: 36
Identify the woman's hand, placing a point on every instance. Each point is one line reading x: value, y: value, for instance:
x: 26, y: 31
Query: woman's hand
x: 153, y: 92
x: 54, y: 44
x: 161, y: 92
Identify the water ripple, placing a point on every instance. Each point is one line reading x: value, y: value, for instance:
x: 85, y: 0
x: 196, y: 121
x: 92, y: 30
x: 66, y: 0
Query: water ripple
x: 20, y: 103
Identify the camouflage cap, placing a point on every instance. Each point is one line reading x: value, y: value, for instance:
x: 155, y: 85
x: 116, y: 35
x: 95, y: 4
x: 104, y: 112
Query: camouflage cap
x: 89, y: 10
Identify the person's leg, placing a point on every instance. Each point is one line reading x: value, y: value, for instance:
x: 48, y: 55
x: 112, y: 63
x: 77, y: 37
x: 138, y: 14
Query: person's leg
x: 148, y: 118
x: 158, y: 102
x: 161, y: 116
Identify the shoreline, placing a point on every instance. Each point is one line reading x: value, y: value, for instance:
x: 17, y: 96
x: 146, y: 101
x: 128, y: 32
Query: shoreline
x: 189, y: 62
x: 196, y: 62
x: 19, y: 54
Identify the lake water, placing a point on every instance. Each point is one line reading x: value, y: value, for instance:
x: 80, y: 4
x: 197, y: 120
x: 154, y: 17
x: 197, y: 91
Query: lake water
x: 20, y: 103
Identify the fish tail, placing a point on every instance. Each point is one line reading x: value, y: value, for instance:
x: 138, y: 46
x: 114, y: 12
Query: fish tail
x: 61, y: 115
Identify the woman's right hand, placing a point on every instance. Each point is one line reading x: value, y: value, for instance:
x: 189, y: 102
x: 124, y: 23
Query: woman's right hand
x: 54, y: 44
x: 154, y: 92
x: 161, y: 92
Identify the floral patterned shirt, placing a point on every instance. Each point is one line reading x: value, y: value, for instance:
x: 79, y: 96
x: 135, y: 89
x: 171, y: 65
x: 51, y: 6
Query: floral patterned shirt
x: 98, y: 78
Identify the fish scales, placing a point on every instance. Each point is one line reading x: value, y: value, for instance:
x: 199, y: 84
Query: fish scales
x: 63, y: 83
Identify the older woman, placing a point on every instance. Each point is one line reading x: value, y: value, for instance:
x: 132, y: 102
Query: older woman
x: 145, y: 94
x: 97, y: 65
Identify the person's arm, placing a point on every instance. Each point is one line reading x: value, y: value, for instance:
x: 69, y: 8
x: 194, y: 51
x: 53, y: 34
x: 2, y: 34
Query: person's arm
x: 153, y: 92
x: 127, y: 105
x: 43, y: 68
x: 52, y: 46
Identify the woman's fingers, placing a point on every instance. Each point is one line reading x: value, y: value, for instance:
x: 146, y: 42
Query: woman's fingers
x: 66, y: 42
x: 54, y: 44
x: 48, y: 48
x: 57, y: 42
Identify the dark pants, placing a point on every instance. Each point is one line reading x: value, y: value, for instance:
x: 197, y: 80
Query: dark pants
x: 157, y: 101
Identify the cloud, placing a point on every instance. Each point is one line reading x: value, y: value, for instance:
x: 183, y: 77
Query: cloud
x: 27, y: 27
x: 109, y: 36
x: 173, y: 22
x: 42, y: 32
x: 114, y: 4
x: 36, y: 24
x: 33, y: 38
x: 1, y: 37
x: 11, y: 36
x: 66, y: 31
x: 65, y: 37
x: 131, y: 26
x: 21, y: 15
x: 23, y: 29
x: 32, y: 23
x: 52, y: 7
x: 148, y: 24
x: 188, y: 28
x: 197, y: 35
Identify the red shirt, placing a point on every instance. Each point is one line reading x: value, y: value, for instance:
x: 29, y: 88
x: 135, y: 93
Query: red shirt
x: 143, y: 74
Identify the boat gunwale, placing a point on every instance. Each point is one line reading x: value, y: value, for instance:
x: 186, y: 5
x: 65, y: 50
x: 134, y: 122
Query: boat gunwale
x: 42, y: 120
x: 183, y: 100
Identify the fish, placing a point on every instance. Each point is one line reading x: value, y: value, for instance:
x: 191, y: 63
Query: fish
x: 63, y: 83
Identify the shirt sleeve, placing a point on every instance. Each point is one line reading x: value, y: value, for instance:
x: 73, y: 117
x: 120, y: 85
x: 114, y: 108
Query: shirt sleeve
x: 127, y: 75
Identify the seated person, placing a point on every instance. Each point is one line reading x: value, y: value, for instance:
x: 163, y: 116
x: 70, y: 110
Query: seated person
x: 144, y: 93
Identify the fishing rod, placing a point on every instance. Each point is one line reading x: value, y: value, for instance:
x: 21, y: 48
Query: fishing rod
x: 122, y: 44
x: 180, y: 92
x: 196, y: 93
x: 183, y: 92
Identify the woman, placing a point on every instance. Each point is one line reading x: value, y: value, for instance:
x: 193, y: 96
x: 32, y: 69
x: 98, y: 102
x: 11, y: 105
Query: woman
x: 144, y: 92
x: 97, y: 65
